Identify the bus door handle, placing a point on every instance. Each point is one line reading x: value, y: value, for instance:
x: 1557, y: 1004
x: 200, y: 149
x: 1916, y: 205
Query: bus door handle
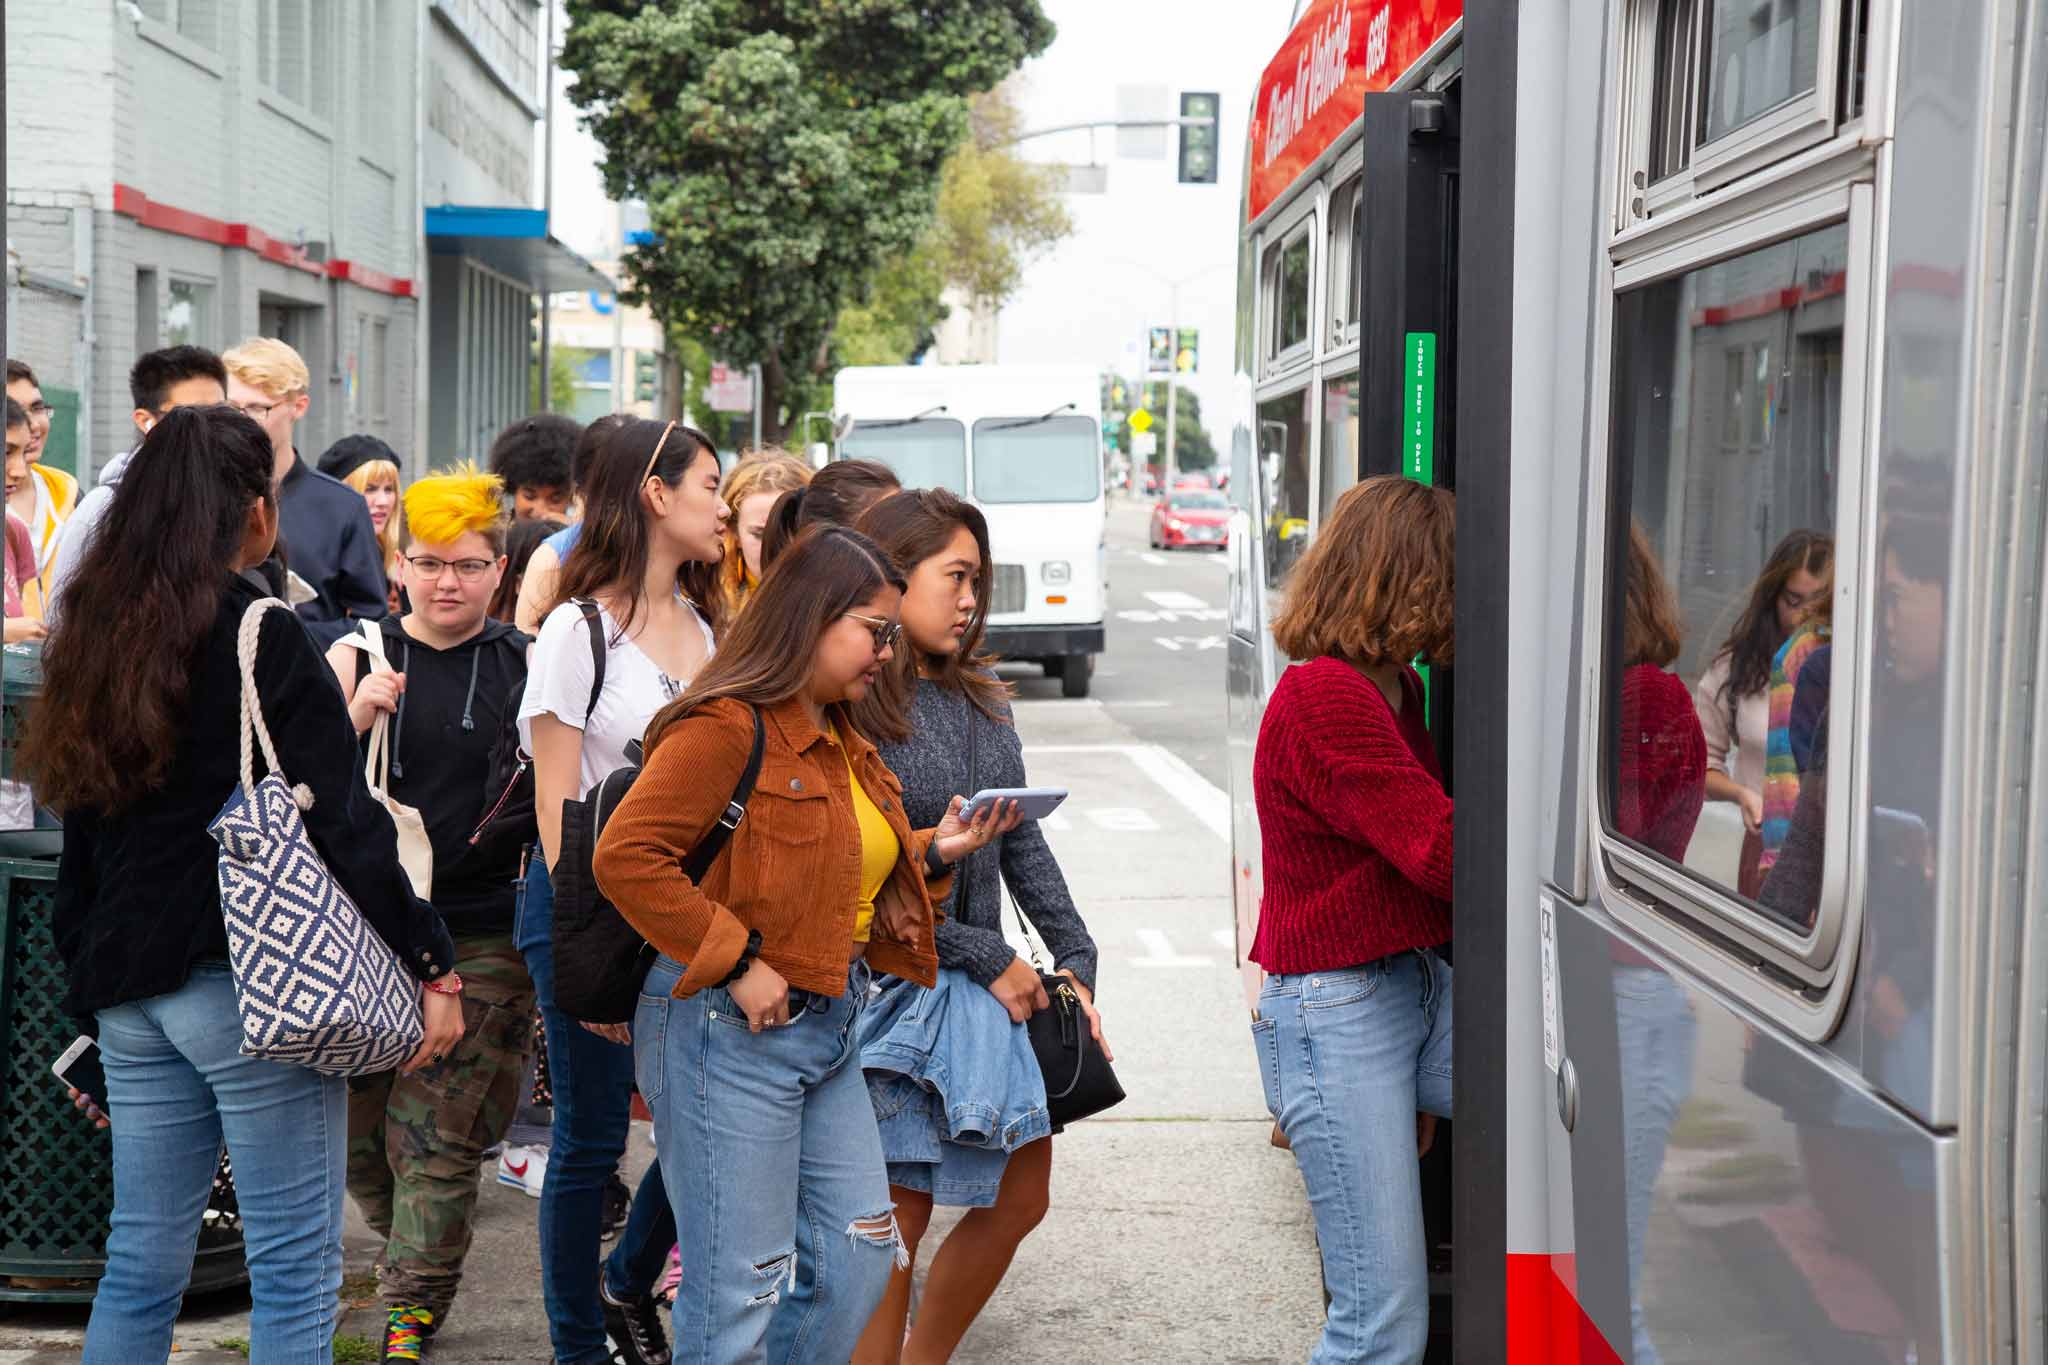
x: 1567, y: 1093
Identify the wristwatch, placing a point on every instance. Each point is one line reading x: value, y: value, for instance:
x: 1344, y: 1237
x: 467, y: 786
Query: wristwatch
x: 451, y: 984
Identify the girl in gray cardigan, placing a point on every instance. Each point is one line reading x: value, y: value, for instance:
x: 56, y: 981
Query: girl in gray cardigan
x: 943, y: 724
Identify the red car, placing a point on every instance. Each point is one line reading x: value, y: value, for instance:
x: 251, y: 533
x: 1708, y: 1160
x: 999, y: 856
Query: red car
x: 1191, y: 516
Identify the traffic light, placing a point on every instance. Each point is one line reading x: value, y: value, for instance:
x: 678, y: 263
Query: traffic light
x: 646, y: 376
x: 1198, y: 141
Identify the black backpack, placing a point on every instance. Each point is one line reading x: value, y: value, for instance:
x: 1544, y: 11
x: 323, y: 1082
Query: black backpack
x: 508, y: 789
x: 600, y: 960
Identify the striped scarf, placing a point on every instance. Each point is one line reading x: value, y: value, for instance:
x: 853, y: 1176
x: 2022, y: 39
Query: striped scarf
x: 1781, y: 771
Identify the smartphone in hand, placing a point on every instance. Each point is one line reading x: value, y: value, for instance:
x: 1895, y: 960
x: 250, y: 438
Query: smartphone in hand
x: 79, y: 1067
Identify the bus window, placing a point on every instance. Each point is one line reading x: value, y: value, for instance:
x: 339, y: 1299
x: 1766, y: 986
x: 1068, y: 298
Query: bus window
x: 1727, y: 422
x: 1283, y: 478
x: 930, y: 452
x: 1346, y: 210
x: 1287, y: 291
x: 1340, y: 440
x: 1030, y: 459
x: 1759, y: 57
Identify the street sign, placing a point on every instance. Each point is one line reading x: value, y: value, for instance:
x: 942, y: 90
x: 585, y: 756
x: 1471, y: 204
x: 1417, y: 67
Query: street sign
x: 1141, y: 421
x: 1144, y: 445
x: 731, y: 389
x: 1418, y: 408
x: 1187, y: 350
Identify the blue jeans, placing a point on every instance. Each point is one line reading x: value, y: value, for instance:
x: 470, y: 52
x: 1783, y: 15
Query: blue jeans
x: 1655, y: 1030
x: 177, y: 1085
x: 593, y: 1084
x: 1348, y: 1057
x: 770, y: 1143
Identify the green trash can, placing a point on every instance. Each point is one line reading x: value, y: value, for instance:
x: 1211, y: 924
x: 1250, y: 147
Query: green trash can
x: 56, y: 1169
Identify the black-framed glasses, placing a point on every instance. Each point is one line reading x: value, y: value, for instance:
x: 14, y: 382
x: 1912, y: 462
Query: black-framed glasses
x: 430, y: 568
x: 886, y: 633
x: 259, y: 411
x: 40, y: 409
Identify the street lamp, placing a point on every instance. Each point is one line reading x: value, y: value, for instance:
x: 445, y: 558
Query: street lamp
x: 1173, y: 288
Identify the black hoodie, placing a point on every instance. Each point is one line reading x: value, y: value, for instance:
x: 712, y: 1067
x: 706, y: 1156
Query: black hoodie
x: 451, y: 714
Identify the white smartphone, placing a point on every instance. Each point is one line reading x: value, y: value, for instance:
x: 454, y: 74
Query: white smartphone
x: 78, y: 1066
x: 1035, y: 802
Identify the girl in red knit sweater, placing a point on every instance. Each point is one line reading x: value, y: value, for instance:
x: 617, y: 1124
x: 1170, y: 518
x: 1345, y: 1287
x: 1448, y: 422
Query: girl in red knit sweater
x: 1354, y: 1024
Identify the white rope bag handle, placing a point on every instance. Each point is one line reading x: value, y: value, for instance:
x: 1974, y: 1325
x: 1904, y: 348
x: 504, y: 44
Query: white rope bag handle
x: 252, y: 705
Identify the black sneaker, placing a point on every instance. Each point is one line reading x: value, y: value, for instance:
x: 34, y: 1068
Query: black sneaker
x: 635, y: 1327
x: 618, y: 1204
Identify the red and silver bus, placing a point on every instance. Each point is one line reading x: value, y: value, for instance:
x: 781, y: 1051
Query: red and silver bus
x: 1711, y: 274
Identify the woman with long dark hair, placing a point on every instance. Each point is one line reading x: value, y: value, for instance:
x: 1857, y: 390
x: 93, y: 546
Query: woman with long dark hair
x: 744, y: 1038
x: 1733, y: 697
x: 139, y: 749
x: 942, y: 719
x: 639, y: 589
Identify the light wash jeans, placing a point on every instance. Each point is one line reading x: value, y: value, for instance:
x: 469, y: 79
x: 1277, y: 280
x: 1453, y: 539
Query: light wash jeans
x: 1655, y: 1030
x: 1348, y: 1057
x: 177, y: 1084
x: 774, y: 1165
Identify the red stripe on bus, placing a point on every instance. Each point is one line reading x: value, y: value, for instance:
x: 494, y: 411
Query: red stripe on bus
x: 1546, y: 1325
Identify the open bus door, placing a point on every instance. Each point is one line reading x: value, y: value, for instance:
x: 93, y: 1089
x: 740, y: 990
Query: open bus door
x: 1405, y: 245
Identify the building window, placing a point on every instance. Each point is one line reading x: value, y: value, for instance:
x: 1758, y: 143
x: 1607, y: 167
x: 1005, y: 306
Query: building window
x: 189, y: 321
x: 198, y: 20
x: 295, y: 51
x: 373, y: 84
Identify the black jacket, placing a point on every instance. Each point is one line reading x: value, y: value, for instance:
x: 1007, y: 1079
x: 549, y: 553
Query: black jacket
x: 453, y: 711
x: 138, y: 897
x: 329, y: 542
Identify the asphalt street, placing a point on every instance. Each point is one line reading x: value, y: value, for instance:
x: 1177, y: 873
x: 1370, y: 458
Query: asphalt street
x: 1176, y: 1232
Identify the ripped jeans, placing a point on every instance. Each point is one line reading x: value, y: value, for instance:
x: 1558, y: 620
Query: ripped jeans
x: 769, y: 1147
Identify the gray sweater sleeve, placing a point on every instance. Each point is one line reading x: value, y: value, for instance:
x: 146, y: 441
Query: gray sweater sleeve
x: 1032, y: 873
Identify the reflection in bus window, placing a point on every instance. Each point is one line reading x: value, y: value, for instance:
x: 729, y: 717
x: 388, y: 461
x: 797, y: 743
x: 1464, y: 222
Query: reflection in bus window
x: 1726, y: 445
x: 1340, y: 439
x: 1760, y: 54
x: 1676, y: 87
x: 1345, y: 221
x: 1283, y: 469
x: 1029, y: 459
x: 929, y: 452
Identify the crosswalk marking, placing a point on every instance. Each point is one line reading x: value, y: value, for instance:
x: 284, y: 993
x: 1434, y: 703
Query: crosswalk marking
x: 1176, y: 601
x: 1159, y: 952
x: 1203, y: 799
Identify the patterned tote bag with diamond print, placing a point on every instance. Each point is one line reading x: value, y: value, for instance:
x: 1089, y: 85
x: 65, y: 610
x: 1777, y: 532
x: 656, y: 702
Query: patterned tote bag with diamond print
x: 315, y: 984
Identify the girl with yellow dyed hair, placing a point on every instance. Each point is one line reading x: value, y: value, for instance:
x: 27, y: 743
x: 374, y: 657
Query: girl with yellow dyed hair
x: 417, y: 1142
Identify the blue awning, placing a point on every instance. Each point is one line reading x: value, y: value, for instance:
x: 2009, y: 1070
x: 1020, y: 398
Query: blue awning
x: 514, y: 242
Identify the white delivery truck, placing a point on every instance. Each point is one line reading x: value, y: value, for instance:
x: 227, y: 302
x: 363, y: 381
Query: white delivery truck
x: 1024, y: 444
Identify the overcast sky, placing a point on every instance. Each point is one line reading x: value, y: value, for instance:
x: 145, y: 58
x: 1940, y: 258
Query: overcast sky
x: 1092, y: 298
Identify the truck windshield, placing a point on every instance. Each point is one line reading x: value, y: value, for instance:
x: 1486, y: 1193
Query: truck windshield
x: 1025, y: 459
x: 928, y: 453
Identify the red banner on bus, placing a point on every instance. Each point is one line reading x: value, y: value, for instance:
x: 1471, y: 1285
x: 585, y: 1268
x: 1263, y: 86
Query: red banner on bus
x: 1315, y: 87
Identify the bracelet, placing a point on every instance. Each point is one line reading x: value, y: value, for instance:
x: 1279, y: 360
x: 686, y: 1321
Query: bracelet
x: 934, y: 865
x: 747, y: 956
x: 451, y: 984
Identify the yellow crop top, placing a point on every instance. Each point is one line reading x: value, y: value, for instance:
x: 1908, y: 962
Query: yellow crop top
x: 878, y: 852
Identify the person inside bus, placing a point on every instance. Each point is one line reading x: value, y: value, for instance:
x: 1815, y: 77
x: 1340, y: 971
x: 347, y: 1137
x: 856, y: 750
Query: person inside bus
x: 836, y: 495
x: 751, y: 489
x: 1356, y: 837
x: 745, y: 1033
x: 943, y: 721
x: 1733, y: 697
x: 1660, y: 757
x: 648, y: 560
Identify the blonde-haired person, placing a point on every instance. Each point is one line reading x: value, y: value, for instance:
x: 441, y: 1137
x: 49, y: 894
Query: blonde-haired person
x: 324, y: 524
x: 370, y: 467
x: 416, y: 1142
x: 750, y: 490
x: 1356, y: 835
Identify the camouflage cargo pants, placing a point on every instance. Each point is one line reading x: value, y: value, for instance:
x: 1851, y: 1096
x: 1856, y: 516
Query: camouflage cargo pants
x: 416, y: 1143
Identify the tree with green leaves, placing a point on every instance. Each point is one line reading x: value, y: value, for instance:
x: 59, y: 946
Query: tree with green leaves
x: 785, y: 149
x: 1193, y: 450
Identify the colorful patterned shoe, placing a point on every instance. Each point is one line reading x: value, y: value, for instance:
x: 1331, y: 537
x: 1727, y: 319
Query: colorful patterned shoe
x: 672, y: 1278
x: 405, y: 1338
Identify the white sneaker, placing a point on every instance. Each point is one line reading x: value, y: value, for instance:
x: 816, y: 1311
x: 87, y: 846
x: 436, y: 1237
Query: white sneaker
x: 523, y: 1168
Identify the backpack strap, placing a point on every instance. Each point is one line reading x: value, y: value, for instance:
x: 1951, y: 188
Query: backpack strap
x: 713, y: 842
x: 595, y: 622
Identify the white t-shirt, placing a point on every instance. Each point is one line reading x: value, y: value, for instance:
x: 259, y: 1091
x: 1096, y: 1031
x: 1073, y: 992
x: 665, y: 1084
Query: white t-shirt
x: 558, y: 679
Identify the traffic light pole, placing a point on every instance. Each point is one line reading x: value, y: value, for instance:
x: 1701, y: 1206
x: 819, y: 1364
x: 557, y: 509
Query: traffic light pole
x: 1090, y: 125
x: 1172, y: 391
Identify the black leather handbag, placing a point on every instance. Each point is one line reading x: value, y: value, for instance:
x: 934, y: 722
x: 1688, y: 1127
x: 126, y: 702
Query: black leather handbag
x: 1079, y: 1081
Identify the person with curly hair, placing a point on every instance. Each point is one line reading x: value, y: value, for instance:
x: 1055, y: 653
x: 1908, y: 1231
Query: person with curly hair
x: 532, y: 456
x: 1356, y: 831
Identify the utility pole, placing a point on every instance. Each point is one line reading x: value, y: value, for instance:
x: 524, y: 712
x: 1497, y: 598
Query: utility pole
x: 754, y: 373
x: 1172, y: 388
x: 547, y: 208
